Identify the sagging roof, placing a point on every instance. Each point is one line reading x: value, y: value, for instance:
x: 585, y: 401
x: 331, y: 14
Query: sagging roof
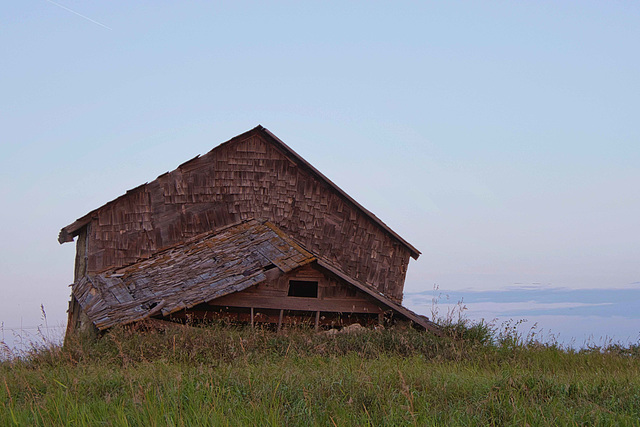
x: 201, y: 270
x: 188, y: 274
x: 70, y: 231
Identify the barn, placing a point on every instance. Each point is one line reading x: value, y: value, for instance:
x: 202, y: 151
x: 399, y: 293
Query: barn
x: 249, y: 231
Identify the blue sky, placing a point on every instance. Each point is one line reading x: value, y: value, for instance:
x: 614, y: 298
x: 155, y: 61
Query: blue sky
x: 501, y: 139
x: 570, y: 317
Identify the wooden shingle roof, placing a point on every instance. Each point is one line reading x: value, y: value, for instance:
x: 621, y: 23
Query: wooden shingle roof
x: 200, y: 270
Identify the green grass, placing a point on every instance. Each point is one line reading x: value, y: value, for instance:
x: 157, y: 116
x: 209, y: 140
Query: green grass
x: 225, y: 375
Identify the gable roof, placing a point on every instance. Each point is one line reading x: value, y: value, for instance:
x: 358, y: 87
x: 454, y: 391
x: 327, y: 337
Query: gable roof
x: 204, y: 268
x: 70, y: 231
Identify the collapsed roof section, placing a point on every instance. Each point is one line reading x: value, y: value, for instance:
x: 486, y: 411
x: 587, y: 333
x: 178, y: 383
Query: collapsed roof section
x: 201, y: 270
x: 188, y: 274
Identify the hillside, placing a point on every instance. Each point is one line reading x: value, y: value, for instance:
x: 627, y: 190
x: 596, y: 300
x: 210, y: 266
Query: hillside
x: 227, y: 375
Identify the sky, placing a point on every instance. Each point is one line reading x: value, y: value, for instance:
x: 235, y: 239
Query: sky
x: 576, y: 318
x: 499, y: 138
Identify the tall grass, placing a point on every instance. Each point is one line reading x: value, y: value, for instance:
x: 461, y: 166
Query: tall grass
x: 229, y: 375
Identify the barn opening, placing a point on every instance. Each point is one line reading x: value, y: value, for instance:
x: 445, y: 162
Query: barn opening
x: 303, y: 288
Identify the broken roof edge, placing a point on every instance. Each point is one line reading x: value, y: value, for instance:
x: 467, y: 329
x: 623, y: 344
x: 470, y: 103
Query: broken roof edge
x: 68, y: 232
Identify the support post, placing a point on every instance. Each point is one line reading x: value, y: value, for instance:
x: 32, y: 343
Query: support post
x: 381, y: 319
x: 317, y: 320
x: 280, y: 319
x: 252, y: 317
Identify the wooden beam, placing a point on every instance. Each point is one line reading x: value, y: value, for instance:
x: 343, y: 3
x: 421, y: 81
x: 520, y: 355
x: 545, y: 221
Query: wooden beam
x: 342, y: 305
x: 317, y: 325
x: 280, y: 320
x: 252, y: 317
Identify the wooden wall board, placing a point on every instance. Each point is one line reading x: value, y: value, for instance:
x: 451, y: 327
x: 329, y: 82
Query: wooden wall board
x: 334, y: 295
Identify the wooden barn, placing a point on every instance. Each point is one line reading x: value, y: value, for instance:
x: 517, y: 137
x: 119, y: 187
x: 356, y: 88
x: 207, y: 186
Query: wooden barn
x: 249, y: 231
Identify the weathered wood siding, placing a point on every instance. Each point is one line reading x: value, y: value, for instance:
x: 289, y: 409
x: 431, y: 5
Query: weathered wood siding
x: 333, y: 295
x: 243, y: 179
x: 80, y: 269
x: 77, y: 318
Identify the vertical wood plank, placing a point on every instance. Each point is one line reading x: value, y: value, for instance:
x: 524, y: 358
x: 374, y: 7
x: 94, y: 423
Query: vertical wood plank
x: 252, y: 317
x: 317, y: 321
x: 280, y: 320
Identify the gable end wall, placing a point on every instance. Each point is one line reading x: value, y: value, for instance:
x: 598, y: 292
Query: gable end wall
x: 237, y: 181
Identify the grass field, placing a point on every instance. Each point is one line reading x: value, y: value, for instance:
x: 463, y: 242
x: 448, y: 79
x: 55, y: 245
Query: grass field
x: 227, y: 375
